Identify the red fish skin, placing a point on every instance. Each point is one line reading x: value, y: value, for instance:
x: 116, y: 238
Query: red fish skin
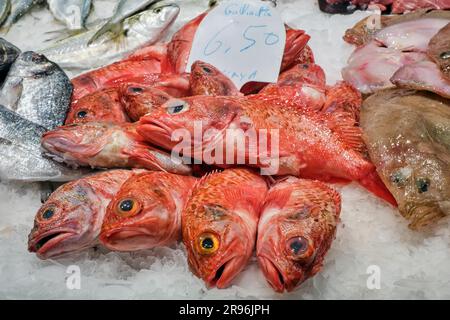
x: 139, y: 100
x: 78, y: 210
x: 158, y: 199
x: 224, y: 208
x: 343, y: 97
x: 100, y: 106
x: 312, y: 145
x: 107, y: 145
x: 112, y: 76
x: 141, y: 97
x: 296, y: 41
x: 297, y: 226
x: 207, y: 80
x: 306, y: 56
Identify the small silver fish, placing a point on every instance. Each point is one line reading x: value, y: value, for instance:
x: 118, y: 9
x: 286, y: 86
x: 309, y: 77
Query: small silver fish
x: 21, y: 159
x: 145, y: 28
x: 5, y: 9
x: 124, y: 9
x: 18, y: 9
x: 8, y: 53
x: 38, y: 90
x: 71, y: 12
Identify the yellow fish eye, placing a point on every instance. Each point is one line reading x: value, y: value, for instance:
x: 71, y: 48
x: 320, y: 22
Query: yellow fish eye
x: 127, y: 207
x: 208, y: 243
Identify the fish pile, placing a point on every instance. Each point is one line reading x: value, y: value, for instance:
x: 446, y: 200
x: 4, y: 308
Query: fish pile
x: 392, y: 6
x: 409, y: 51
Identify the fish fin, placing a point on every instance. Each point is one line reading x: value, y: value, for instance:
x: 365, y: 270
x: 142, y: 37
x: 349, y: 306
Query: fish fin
x: 344, y: 125
x: 114, y: 28
x: 62, y: 34
x: 252, y: 196
x: 373, y: 183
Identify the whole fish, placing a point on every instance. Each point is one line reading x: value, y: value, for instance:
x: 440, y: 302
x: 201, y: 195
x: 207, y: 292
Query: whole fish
x: 18, y: 9
x: 73, y: 13
x: 8, y: 54
x: 297, y: 226
x: 123, y: 10
x: 5, y: 9
x: 408, y: 137
x: 146, y: 212
x: 72, y: 217
x: 219, y: 224
x: 37, y: 89
x: 107, y: 145
x: 307, y: 144
x: 114, y: 75
x: 145, y: 28
x: 439, y: 50
x: 21, y: 158
x: 100, y: 106
x: 207, y: 80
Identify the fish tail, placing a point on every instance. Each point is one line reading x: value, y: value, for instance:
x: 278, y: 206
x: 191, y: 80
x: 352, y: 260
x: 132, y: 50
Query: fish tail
x: 373, y: 183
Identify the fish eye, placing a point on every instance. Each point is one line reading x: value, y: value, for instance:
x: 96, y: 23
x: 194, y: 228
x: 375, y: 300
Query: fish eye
x: 127, y: 207
x: 423, y: 185
x: 157, y: 10
x: 177, y: 107
x: 82, y: 114
x: 48, y: 213
x: 299, y: 248
x: 208, y: 244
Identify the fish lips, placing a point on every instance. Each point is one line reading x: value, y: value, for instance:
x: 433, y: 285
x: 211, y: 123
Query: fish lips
x: 44, y: 244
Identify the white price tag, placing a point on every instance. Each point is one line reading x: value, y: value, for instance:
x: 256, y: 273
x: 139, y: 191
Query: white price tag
x: 244, y: 39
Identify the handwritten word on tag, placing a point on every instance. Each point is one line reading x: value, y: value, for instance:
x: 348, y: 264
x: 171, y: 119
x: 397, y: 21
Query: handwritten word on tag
x: 244, y: 39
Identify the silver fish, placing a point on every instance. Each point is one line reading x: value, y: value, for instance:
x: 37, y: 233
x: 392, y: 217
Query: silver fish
x: 71, y: 12
x: 18, y: 9
x: 38, y: 90
x: 124, y: 9
x: 5, y: 9
x: 145, y: 28
x: 21, y: 159
x: 8, y: 53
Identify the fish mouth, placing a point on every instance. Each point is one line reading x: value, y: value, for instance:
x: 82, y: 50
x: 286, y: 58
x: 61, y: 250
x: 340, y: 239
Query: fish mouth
x: 226, y: 272
x: 274, y: 276
x: 43, y: 244
x: 128, y: 239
